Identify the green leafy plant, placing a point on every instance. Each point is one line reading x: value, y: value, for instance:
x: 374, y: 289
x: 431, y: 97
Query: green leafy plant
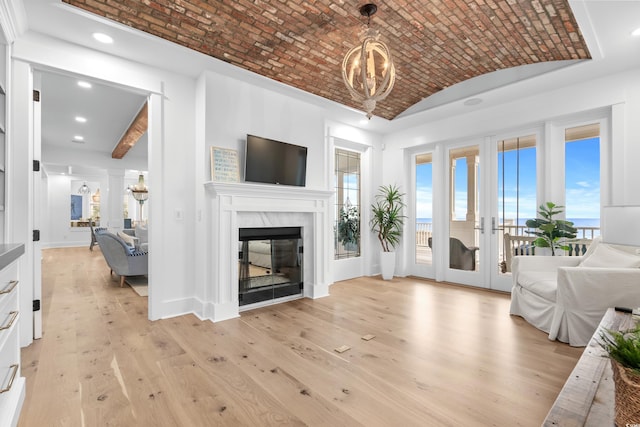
x: 552, y: 233
x: 387, y: 219
x: 349, y: 225
x: 623, y: 347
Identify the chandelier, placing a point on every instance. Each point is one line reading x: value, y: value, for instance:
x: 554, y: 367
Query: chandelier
x: 140, y: 193
x: 84, y: 189
x: 367, y: 69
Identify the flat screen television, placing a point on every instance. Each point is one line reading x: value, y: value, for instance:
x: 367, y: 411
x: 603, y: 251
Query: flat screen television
x: 274, y: 162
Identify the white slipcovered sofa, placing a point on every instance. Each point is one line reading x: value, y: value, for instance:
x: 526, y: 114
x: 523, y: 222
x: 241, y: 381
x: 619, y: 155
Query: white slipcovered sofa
x: 567, y: 296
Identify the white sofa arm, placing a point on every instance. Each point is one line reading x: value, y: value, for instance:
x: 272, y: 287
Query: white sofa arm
x: 541, y: 263
x: 583, y: 296
x: 544, y: 263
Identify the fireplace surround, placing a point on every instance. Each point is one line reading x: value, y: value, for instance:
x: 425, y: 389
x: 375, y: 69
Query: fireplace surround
x: 232, y: 206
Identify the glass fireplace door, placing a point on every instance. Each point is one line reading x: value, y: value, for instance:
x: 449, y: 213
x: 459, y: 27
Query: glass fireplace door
x: 269, y: 263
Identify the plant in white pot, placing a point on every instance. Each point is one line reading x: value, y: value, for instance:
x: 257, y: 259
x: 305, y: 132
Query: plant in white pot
x: 387, y: 221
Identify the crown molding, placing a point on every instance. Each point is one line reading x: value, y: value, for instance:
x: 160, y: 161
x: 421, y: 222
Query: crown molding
x: 13, y: 20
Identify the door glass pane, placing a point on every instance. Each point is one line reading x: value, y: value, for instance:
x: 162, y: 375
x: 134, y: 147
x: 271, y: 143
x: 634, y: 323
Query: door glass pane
x: 424, y: 208
x: 516, y: 197
x: 582, y: 179
x: 347, y: 209
x: 464, y: 220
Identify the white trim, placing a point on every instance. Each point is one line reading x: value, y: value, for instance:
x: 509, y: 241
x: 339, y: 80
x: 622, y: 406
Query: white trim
x: 236, y: 205
x: 13, y: 19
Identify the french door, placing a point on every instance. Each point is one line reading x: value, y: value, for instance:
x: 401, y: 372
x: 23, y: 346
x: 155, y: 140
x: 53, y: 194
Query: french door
x: 480, y: 193
x: 463, y: 242
x: 467, y: 196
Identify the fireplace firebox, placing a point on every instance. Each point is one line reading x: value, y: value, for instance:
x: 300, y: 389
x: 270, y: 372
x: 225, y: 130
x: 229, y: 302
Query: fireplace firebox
x: 269, y: 264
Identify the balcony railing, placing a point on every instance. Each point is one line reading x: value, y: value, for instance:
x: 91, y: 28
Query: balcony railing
x: 424, y: 230
x: 583, y: 232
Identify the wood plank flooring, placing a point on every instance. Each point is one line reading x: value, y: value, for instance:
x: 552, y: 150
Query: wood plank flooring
x: 442, y: 355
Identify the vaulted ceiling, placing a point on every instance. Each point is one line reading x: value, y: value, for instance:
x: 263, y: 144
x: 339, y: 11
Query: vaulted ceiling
x: 435, y: 43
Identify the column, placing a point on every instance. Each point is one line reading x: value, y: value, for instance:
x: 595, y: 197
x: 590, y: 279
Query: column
x: 114, y: 200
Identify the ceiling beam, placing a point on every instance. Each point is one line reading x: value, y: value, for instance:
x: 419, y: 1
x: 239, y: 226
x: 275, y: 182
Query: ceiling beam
x: 137, y: 128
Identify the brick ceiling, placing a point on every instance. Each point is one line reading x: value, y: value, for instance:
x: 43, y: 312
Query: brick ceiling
x: 435, y: 43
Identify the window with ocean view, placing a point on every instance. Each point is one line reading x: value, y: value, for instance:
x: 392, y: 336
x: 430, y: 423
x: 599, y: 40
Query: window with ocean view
x: 424, y: 208
x: 582, y: 179
x: 516, y: 183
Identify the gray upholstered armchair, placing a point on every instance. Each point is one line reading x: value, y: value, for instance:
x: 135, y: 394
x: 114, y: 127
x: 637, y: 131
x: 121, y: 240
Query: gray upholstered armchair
x: 460, y: 256
x: 121, y: 258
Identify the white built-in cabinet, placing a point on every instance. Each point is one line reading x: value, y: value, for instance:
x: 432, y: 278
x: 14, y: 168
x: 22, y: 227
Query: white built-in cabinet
x: 12, y: 384
x: 3, y: 136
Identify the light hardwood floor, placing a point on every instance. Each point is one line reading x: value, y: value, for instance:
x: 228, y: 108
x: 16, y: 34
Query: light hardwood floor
x: 442, y: 355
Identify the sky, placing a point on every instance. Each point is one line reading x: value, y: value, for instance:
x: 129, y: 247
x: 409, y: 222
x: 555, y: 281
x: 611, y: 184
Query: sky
x: 582, y: 183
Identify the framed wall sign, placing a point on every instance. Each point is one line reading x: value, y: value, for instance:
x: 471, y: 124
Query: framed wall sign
x: 224, y: 165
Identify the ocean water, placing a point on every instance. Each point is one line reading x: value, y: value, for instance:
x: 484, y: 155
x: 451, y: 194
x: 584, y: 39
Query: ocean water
x: 577, y: 222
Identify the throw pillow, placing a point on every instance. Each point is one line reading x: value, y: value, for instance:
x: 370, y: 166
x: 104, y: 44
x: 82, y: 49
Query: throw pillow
x: 130, y: 241
x: 142, y: 234
x: 606, y: 256
x: 592, y: 247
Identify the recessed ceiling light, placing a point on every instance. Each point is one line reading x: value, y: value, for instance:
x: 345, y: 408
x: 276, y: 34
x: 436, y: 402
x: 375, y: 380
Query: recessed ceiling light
x: 472, y: 101
x: 80, y: 119
x: 103, y: 38
x: 636, y: 32
x: 84, y: 84
x: 78, y: 138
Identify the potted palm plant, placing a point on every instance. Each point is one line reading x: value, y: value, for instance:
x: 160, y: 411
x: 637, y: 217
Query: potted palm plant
x: 623, y: 348
x: 387, y: 221
x: 551, y: 233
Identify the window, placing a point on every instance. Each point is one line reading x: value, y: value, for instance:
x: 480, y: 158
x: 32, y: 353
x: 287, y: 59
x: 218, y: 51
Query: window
x: 424, y: 208
x: 347, y: 208
x: 516, y: 183
x: 582, y: 179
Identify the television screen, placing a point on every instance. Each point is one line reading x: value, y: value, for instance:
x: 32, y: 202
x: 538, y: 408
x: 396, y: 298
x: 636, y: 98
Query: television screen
x: 274, y: 162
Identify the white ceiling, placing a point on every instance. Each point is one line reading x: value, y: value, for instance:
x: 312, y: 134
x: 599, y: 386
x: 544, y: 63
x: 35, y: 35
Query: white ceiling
x: 108, y: 110
x: 606, y: 26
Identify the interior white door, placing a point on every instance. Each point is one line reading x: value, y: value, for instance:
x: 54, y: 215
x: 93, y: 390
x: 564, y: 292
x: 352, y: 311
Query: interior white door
x: 36, y: 202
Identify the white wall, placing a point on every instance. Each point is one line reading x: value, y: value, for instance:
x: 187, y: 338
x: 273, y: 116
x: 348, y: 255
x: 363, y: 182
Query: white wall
x: 235, y: 109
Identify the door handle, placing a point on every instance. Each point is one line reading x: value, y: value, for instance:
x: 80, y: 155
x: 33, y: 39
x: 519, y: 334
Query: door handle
x: 481, y: 228
x: 493, y: 225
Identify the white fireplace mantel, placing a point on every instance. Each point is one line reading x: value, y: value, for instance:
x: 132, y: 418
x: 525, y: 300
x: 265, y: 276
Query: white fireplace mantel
x: 237, y: 205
